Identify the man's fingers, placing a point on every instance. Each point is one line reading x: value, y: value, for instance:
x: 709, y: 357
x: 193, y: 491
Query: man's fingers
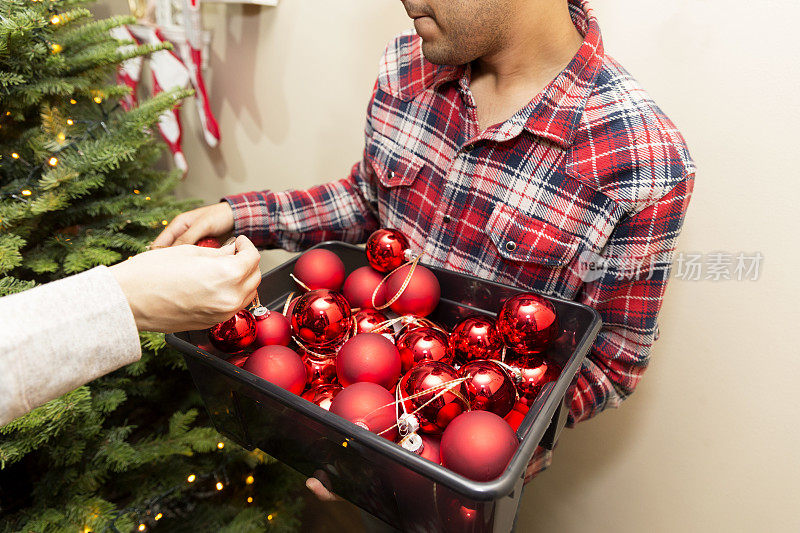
x: 194, y: 233
x: 319, y: 490
x: 174, y: 229
x: 247, y: 253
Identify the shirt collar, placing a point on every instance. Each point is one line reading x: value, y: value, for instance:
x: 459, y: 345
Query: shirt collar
x: 554, y: 113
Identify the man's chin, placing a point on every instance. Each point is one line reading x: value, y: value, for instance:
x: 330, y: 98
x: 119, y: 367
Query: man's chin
x: 437, y: 55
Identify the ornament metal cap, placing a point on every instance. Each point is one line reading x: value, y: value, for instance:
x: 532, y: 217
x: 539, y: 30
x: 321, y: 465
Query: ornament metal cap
x: 407, y: 423
x: 409, y: 255
x: 260, y: 311
x: 413, y: 443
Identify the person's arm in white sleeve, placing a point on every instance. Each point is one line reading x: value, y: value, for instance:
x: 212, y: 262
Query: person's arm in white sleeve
x: 59, y: 336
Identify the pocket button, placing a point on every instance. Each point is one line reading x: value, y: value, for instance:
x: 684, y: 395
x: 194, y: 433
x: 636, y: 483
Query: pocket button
x: 391, y: 174
x: 511, y: 246
x: 446, y: 219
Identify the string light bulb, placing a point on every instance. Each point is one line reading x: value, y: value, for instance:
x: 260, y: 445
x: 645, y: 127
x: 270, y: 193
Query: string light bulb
x: 142, y: 527
x: 191, y: 478
x: 61, y: 137
x: 249, y: 480
x: 55, y: 20
x: 26, y: 192
x: 98, y: 99
x: 56, y: 48
x: 53, y: 161
x: 135, y: 191
x: 146, y: 197
x: 70, y: 122
x: 8, y: 113
x: 164, y: 222
x: 220, y: 445
x: 270, y: 517
x: 73, y: 101
x: 219, y: 485
x: 158, y: 516
x: 14, y: 155
x: 249, y: 499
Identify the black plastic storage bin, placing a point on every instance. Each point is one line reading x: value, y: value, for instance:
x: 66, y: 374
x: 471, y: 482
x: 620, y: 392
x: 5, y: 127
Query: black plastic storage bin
x: 397, y: 486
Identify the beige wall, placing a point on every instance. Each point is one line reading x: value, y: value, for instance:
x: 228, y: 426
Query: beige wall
x: 709, y: 442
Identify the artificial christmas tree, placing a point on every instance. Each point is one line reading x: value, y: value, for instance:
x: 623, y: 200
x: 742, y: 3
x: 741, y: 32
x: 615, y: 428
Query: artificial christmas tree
x: 132, y: 450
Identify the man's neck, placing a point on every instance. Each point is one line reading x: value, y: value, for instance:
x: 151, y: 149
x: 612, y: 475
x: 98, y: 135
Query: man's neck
x: 544, y: 41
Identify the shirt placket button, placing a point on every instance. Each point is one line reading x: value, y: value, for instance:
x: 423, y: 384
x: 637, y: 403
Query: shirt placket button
x: 446, y: 219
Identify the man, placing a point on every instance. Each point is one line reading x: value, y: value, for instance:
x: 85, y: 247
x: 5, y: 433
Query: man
x: 505, y: 143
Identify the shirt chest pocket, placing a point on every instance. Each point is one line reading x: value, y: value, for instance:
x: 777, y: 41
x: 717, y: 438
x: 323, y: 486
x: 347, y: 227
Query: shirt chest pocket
x: 394, y: 165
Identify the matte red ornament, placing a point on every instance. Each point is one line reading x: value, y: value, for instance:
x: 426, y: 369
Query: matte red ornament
x: 319, y: 370
x: 528, y: 323
x: 279, y: 365
x: 368, y: 357
x: 235, y: 334
x: 321, y: 320
x: 476, y: 337
x: 320, y: 269
x: 272, y: 328
x: 208, y: 242
x: 322, y: 395
x: 478, y: 445
x: 369, y: 406
x: 532, y: 373
x: 421, y: 295
x: 423, y: 344
x: 488, y: 387
x: 361, y: 284
x: 514, y: 419
x: 429, y: 376
x: 387, y: 249
x: 368, y: 319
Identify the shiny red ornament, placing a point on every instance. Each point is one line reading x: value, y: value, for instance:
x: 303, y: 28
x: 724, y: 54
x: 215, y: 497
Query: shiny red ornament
x: 239, y: 360
x: 368, y: 357
x: 369, y: 406
x: 421, y: 295
x: 361, y: 284
x: 478, y: 445
x: 488, y: 387
x: 235, y: 334
x: 514, y: 419
x: 208, y: 242
x: 323, y: 395
x: 272, y: 328
x: 290, y: 309
x: 410, y: 323
x: 368, y: 319
x: 476, y: 337
x: 532, y: 373
x: 387, y: 249
x: 429, y: 376
x: 320, y: 269
x: 321, y: 320
x: 528, y: 323
x: 423, y: 344
x: 430, y: 449
x: 319, y: 370
x: 279, y: 365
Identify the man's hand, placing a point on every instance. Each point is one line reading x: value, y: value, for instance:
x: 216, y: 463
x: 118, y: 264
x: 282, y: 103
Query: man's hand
x: 189, y: 287
x: 318, y: 489
x: 187, y: 228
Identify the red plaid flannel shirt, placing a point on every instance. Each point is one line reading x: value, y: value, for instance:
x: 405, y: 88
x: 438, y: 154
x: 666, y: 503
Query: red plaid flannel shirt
x: 590, y: 168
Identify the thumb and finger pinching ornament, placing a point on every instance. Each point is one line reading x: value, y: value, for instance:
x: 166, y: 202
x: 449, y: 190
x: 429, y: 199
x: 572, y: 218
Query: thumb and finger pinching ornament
x: 319, y: 269
x: 478, y: 445
x: 488, y: 387
x: 528, y: 323
x: 321, y: 320
x: 235, y: 334
x: 476, y: 337
x: 279, y: 365
x: 369, y: 357
x: 367, y: 405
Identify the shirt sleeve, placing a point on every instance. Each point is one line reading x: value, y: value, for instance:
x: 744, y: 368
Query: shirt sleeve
x: 59, y: 336
x: 628, y: 294
x: 344, y: 210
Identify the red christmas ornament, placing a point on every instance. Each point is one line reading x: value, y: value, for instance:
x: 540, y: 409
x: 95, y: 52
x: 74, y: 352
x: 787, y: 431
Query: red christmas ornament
x: 239, y: 360
x: 410, y: 323
x: 322, y: 395
x: 514, y: 419
x: 320, y: 370
x: 272, y: 328
x: 387, y: 249
x: 430, y: 449
x: 423, y: 344
x: 528, y: 323
x: 321, y: 320
x: 290, y: 309
x: 360, y: 285
x: 208, y: 242
x: 532, y: 373
x: 368, y: 319
x: 429, y: 376
x: 478, y: 445
x: 369, y: 406
x: 488, y: 387
x: 235, y: 334
x: 476, y: 337
x: 368, y: 357
x: 279, y: 365
x: 320, y: 269
x: 421, y: 295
